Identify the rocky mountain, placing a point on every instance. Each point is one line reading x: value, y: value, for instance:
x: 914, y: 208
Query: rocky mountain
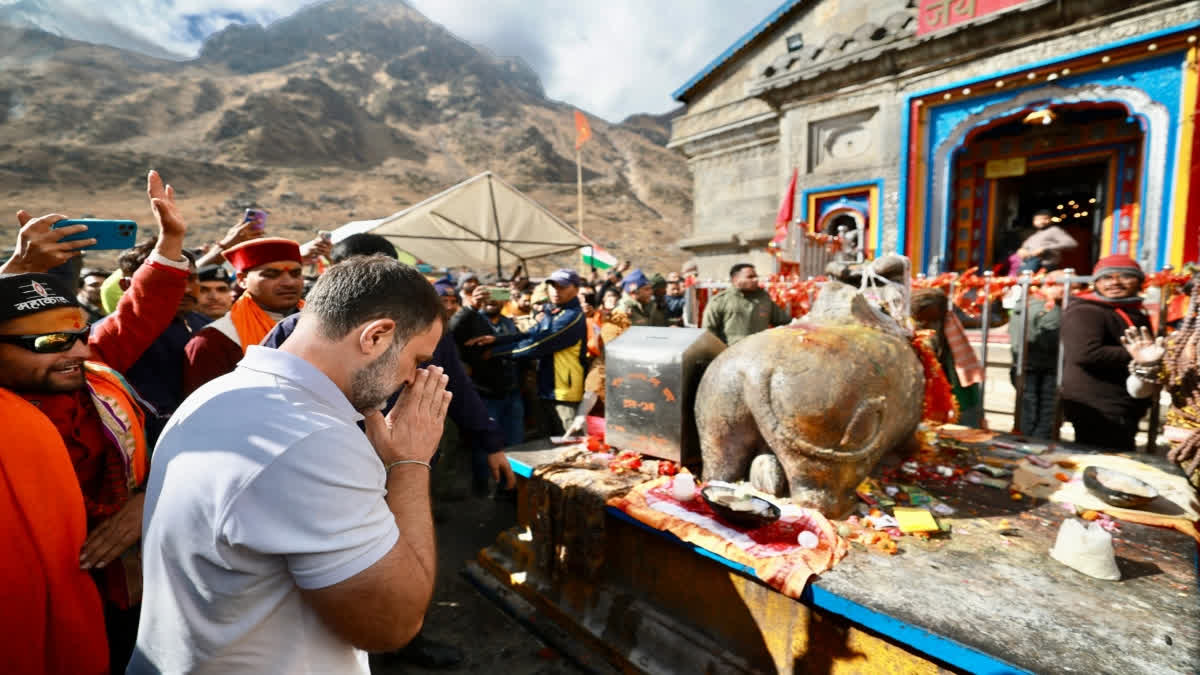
x: 346, y: 110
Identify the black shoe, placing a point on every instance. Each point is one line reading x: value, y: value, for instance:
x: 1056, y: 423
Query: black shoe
x: 431, y: 654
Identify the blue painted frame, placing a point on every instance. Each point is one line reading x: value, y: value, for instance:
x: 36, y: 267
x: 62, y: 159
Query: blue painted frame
x: 1160, y: 76
x: 906, y: 123
x: 877, y: 217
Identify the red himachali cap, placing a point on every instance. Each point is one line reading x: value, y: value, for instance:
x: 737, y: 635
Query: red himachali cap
x: 246, y: 256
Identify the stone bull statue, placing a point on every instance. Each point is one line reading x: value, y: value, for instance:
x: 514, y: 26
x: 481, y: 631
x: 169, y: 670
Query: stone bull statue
x: 828, y: 395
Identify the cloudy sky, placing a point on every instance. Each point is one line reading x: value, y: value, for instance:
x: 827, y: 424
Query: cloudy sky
x: 611, y: 58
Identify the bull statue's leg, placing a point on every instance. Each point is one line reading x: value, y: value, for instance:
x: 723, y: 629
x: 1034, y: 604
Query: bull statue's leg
x: 729, y: 435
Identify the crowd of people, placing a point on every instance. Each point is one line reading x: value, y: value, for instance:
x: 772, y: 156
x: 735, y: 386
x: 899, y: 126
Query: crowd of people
x: 174, y: 425
x: 208, y: 454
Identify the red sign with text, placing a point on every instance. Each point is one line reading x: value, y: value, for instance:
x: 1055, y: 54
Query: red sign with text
x: 936, y: 15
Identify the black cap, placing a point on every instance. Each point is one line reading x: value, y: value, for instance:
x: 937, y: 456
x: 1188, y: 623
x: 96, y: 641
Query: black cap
x: 213, y: 273
x: 24, y: 294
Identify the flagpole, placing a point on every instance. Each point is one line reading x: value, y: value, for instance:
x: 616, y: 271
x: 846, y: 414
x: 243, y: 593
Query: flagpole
x: 579, y: 196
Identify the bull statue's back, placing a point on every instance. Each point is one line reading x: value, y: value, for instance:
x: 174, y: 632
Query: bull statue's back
x: 828, y: 396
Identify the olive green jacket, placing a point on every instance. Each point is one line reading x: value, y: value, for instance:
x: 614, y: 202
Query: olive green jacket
x: 649, y: 314
x: 732, y: 315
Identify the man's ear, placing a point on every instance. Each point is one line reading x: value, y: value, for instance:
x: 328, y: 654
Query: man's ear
x: 375, y: 336
x: 241, y: 280
x: 124, y: 283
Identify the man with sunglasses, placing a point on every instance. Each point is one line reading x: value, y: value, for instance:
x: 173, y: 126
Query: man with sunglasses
x: 50, y: 359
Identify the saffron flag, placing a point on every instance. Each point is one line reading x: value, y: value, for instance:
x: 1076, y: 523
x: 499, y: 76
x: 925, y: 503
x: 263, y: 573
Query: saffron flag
x: 594, y: 256
x: 786, y: 208
x: 583, y: 131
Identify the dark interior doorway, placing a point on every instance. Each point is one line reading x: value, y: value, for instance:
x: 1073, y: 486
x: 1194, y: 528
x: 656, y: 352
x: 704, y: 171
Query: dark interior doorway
x: 1075, y: 196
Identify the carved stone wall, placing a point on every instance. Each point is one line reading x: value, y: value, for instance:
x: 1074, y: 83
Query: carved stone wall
x: 736, y: 191
x: 839, y: 131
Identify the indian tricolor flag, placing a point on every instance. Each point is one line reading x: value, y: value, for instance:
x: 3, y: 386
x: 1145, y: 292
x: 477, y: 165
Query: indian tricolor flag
x: 594, y: 256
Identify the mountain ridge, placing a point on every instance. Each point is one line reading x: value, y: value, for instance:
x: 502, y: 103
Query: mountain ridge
x: 342, y: 111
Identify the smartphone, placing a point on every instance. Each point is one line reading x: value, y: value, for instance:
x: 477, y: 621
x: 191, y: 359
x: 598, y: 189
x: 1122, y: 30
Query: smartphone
x: 258, y: 217
x: 110, y: 235
x: 499, y: 293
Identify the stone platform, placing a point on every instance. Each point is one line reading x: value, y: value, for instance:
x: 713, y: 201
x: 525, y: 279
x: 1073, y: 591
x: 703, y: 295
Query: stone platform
x: 987, y: 598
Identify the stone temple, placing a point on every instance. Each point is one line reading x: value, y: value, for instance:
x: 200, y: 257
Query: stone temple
x: 936, y: 128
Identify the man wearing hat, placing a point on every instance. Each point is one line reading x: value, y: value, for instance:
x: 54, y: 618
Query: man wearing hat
x: 64, y: 401
x: 559, y: 343
x: 270, y: 272
x: 638, y: 304
x: 1095, y: 364
x: 214, y: 291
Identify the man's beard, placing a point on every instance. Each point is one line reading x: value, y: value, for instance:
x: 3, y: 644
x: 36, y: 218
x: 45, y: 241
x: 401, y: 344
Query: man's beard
x: 370, y: 387
x: 52, y: 381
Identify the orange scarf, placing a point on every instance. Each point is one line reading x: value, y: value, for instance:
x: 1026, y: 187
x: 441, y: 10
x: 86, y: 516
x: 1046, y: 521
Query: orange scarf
x: 120, y: 413
x: 250, y: 321
x: 51, y: 619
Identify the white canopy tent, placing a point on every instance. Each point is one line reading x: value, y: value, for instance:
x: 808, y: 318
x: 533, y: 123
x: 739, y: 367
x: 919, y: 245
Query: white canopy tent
x: 478, y: 223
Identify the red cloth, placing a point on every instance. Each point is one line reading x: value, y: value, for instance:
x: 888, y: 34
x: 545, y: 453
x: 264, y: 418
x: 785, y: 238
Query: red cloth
x: 966, y: 362
x: 772, y: 551
x: 251, y: 254
x: 51, y: 619
x: 210, y: 354
x: 787, y: 207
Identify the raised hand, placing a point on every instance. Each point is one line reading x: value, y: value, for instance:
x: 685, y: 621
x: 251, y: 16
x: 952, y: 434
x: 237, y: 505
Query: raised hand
x: 40, y: 246
x: 1142, y: 346
x: 243, y: 231
x: 171, y: 226
x: 414, y: 426
x: 311, y: 250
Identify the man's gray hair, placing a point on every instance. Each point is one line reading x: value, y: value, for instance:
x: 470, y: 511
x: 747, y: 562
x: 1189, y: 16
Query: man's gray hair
x: 365, y: 288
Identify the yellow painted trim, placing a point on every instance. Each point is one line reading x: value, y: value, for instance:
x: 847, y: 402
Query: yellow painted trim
x: 873, y: 208
x: 1183, y: 179
x: 1110, y: 205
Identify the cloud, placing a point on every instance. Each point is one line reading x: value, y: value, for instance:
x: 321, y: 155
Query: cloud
x: 611, y: 58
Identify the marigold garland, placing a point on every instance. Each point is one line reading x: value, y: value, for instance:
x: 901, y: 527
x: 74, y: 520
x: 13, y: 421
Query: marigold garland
x: 939, y: 405
x: 969, y: 296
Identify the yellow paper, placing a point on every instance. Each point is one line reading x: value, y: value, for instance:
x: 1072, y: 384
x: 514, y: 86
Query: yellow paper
x: 914, y: 520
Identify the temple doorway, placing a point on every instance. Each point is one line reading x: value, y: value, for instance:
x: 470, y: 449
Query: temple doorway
x: 1080, y: 162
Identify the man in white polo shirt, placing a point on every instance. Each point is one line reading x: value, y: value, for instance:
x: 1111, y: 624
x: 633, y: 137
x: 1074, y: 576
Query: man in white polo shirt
x: 278, y: 537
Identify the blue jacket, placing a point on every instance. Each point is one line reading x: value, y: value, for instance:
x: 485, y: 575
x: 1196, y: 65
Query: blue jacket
x: 559, y: 343
x: 467, y: 411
